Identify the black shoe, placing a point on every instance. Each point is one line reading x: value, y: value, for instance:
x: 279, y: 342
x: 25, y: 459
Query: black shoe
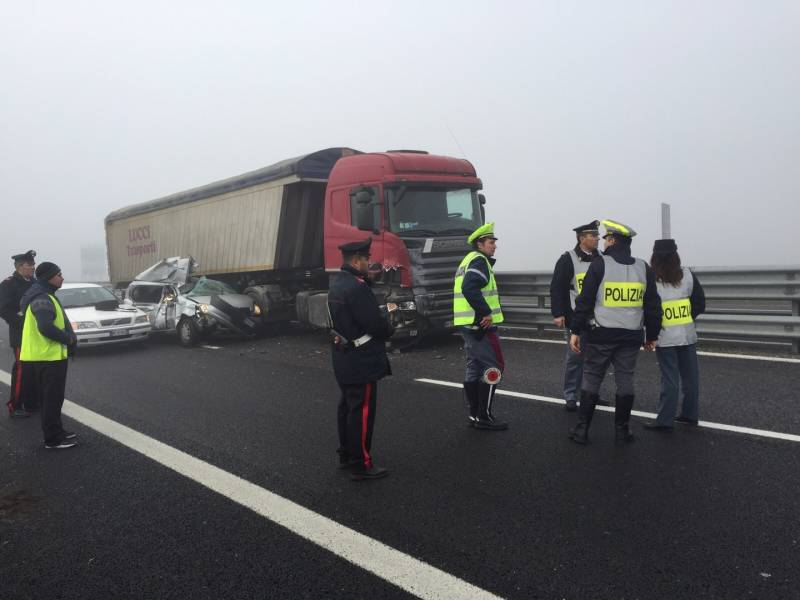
x: 601, y: 402
x: 656, y: 426
x: 471, y: 398
x: 580, y: 433
x: 19, y: 413
x: 685, y: 421
x: 369, y: 473
x: 572, y: 406
x: 61, y: 444
x: 68, y: 435
x: 623, y: 435
x: 349, y: 463
x: 490, y: 425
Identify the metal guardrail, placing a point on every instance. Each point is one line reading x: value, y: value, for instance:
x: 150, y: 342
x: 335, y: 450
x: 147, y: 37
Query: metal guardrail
x: 758, y: 304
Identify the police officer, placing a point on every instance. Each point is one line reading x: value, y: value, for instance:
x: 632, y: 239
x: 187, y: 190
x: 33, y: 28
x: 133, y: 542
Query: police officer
x: 682, y: 301
x: 359, y: 358
x: 618, y: 300
x: 477, y: 313
x: 23, y: 398
x: 565, y: 286
x: 47, y: 342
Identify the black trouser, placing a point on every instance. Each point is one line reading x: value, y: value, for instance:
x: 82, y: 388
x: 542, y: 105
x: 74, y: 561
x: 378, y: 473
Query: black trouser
x: 356, y: 418
x: 23, y: 390
x: 51, y: 380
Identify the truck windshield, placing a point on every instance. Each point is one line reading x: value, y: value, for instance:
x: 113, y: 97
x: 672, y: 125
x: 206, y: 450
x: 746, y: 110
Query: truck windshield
x: 420, y: 211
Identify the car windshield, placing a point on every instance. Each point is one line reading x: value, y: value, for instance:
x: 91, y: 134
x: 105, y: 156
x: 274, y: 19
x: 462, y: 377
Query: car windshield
x: 84, y: 296
x: 433, y: 211
x: 210, y: 287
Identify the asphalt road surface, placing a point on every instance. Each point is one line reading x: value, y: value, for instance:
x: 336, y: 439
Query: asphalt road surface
x: 211, y: 473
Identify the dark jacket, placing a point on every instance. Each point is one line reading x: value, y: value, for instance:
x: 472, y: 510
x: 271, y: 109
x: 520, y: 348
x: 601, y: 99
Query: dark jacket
x: 355, y: 312
x: 475, y: 278
x: 12, y: 289
x: 584, y: 305
x: 45, y: 313
x: 698, y: 298
x: 563, y: 281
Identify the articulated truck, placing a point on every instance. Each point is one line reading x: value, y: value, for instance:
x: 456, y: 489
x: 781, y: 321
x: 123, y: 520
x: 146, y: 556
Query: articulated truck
x: 274, y: 233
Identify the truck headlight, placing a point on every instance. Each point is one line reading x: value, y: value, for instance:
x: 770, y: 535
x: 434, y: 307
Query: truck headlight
x: 256, y: 310
x: 203, y: 308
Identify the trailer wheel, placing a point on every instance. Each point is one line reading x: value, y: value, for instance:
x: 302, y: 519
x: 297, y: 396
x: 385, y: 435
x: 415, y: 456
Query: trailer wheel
x: 188, y: 332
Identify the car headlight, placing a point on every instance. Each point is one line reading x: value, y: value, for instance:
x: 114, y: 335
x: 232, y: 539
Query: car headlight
x: 408, y: 305
x: 203, y: 308
x: 256, y: 310
x: 142, y: 319
x: 84, y: 325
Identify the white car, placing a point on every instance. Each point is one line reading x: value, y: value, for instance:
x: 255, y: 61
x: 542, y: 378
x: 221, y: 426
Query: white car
x: 98, y: 318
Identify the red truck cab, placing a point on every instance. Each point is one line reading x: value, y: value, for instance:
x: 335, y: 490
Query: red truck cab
x: 419, y: 209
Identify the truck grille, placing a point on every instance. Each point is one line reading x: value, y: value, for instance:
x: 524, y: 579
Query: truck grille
x: 433, y: 272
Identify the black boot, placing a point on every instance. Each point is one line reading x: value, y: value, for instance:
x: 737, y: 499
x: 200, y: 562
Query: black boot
x: 580, y: 433
x: 622, y: 417
x: 471, y: 397
x: 485, y: 418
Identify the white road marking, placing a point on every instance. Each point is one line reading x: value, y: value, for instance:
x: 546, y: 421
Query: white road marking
x: 790, y: 437
x: 699, y: 352
x: 406, y: 572
x: 208, y: 347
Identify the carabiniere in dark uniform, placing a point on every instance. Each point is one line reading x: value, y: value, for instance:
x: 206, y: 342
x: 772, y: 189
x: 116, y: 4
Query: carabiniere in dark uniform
x: 23, y: 398
x: 359, y: 358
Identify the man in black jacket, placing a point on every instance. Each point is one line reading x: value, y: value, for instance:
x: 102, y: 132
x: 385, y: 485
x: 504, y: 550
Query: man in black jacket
x: 23, y: 398
x: 359, y: 358
x: 564, y: 289
x: 619, y: 309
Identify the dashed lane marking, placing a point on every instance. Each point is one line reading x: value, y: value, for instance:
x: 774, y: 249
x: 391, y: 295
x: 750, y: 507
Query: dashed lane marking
x: 699, y: 352
x: 406, y: 572
x: 789, y: 437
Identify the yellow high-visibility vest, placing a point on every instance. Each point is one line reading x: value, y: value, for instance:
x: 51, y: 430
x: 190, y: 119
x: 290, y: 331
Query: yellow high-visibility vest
x: 37, y: 347
x: 463, y: 313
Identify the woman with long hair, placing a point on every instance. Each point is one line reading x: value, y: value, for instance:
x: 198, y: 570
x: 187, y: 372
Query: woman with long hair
x: 682, y: 300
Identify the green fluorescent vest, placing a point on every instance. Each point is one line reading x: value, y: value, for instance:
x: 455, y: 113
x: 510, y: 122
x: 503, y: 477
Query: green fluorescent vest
x: 35, y: 346
x: 463, y: 314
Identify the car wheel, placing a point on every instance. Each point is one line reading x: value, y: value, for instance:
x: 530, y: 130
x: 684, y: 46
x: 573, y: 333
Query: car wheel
x: 188, y: 332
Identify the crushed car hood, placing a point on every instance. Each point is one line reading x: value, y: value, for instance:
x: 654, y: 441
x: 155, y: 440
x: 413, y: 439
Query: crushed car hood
x: 175, y: 270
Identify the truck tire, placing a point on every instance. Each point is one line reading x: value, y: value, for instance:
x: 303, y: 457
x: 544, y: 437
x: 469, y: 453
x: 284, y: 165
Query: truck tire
x: 188, y: 332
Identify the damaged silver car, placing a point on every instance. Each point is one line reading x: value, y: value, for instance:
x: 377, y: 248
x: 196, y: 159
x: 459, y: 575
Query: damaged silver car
x: 195, y: 307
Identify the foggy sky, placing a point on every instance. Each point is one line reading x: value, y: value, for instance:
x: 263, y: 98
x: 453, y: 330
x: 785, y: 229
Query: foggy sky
x: 569, y: 111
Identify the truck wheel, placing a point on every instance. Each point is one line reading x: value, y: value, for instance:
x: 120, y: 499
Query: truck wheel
x: 188, y: 332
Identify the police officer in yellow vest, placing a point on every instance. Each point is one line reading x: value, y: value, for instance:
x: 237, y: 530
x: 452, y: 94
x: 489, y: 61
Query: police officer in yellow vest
x: 619, y: 309
x: 47, y: 341
x: 476, y: 312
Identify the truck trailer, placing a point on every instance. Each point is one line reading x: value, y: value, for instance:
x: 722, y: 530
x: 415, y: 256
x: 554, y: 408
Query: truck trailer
x: 274, y: 233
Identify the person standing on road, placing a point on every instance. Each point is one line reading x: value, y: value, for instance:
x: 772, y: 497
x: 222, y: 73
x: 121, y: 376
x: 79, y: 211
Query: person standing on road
x: 47, y: 343
x: 682, y: 301
x: 618, y: 299
x: 477, y: 313
x: 23, y: 400
x: 359, y: 358
x: 565, y: 286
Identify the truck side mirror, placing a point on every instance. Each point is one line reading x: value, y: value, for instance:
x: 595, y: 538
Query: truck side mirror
x: 482, y: 203
x: 376, y: 216
x: 481, y: 199
x: 362, y: 209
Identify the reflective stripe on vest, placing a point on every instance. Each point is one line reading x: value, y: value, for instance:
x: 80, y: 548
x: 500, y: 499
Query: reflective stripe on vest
x: 678, y: 327
x: 37, y: 347
x: 620, y: 296
x: 579, y: 267
x: 463, y: 313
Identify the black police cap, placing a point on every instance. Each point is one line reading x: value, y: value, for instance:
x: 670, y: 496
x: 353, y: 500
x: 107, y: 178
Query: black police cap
x: 593, y: 227
x: 665, y: 246
x: 361, y: 248
x: 29, y: 256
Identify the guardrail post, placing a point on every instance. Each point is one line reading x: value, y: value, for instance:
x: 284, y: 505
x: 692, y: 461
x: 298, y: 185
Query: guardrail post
x: 795, y: 313
x: 540, y: 304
